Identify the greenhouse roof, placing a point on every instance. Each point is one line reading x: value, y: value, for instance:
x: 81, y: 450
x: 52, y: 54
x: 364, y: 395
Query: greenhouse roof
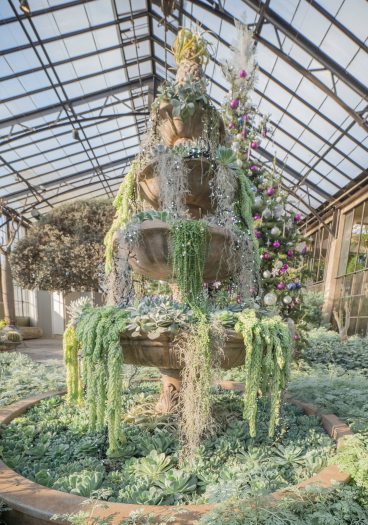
x: 78, y: 77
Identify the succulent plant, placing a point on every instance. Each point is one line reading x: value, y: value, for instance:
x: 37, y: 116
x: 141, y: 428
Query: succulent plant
x: 226, y: 157
x: 152, y: 466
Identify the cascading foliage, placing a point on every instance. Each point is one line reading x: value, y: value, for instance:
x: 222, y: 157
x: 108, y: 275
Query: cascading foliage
x: 97, y: 339
x: 189, y: 244
x: 123, y: 204
x: 268, y: 352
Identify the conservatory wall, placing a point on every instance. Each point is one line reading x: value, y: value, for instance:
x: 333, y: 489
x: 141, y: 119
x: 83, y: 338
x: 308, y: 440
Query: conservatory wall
x: 338, y: 264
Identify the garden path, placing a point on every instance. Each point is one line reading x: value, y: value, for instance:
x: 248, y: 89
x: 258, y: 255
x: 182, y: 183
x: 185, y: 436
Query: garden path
x: 43, y: 350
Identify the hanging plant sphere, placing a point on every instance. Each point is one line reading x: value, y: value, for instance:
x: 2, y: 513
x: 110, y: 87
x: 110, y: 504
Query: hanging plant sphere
x: 267, y: 213
x: 278, y: 211
x: 270, y: 191
x: 234, y: 103
x: 276, y: 244
x: 281, y: 286
x: 239, y: 163
x: 267, y: 274
x: 270, y: 299
x: 287, y: 299
x: 258, y: 201
x: 242, y: 73
x: 275, y: 232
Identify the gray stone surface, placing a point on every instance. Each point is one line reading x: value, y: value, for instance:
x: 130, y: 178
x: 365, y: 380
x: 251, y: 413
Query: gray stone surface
x: 43, y: 350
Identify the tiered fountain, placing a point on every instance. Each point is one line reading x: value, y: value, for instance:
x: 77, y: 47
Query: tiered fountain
x: 151, y: 256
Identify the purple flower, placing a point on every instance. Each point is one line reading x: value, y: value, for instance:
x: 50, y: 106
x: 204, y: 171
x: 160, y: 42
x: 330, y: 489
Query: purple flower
x: 245, y: 118
x: 242, y: 73
x: 290, y: 254
x: 297, y: 217
x: 280, y: 286
x: 265, y: 256
x: 276, y: 244
x: 264, y: 132
x: 231, y: 125
x: 234, y: 103
x: 270, y: 191
x: 257, y: 217
x: 258, y: 234
x: 254, y: 144
x: 254, y: 168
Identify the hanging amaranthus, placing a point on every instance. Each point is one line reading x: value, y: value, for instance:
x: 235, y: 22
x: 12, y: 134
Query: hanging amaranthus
x: 268, y: 350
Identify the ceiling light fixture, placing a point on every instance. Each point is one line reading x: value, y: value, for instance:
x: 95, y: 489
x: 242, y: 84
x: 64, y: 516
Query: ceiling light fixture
x: 75, y: 134
x: 24, y: 6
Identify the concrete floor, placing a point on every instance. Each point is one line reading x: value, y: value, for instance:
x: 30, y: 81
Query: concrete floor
x: 43, y: 350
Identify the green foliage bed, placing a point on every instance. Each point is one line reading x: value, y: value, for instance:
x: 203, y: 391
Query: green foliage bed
x: 20, y: 377
x: 52, y: 446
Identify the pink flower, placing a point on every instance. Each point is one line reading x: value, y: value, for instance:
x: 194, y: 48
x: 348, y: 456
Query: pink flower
x: 290, y: 254
x: 234, y: 103
x: 242, y: 73
x: 265, y: 256
x: 270, y: 191
x: 280, y: 286
x: 297, y: 217
x: 286, y: 266
x: 258, y: 234
x: 253, y: 168
x: 257, y: 217
x: 245, y: 118
x: 276, y: 244
x: 254, y: 144
x: 231, y: 125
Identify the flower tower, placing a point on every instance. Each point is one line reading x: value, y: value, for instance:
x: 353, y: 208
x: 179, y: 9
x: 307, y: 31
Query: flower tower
x: 183, y: 216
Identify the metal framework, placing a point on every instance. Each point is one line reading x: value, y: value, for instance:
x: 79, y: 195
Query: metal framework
x: 93, y: 66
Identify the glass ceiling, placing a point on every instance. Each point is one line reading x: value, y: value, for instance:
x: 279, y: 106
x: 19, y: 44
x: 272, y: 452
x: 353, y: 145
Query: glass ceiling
x: 94, y: 67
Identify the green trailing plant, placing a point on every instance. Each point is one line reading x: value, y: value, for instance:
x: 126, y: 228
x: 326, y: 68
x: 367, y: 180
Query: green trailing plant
x: 73, y: 379
x: 98, y: 334
x: 124, y: 205
x: 267, y: 345
x: 189, y: 245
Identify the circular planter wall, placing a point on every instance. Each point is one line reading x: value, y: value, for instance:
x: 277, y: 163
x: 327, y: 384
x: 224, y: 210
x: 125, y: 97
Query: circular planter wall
x: 33, y: 504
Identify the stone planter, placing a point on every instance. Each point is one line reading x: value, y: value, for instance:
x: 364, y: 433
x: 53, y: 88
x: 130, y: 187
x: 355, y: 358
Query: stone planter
x: 162, y: 354
x: 172, y: 129
x: 33, y: 504
x: 150, y: 256
x: 197, y: 199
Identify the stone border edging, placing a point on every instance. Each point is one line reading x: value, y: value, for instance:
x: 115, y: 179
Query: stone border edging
x: 33, y: 504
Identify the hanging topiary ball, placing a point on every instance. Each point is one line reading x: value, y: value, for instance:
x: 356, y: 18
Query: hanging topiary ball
x: 270, y: 299
x: 275, y: 231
